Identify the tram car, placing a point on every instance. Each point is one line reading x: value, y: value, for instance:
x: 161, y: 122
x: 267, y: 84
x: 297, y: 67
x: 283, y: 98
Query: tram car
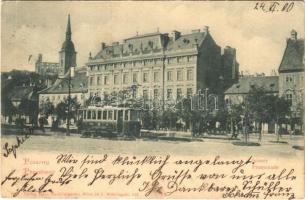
x: 109, y: 121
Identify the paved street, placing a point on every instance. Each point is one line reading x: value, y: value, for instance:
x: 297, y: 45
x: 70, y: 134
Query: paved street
x: 75, y: 144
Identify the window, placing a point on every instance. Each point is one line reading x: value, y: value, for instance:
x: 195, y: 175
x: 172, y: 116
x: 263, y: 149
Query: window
x: 91, y: 80
x: 179, y: 75
x: 145, y: 77
x: 89, y: 114
x: 189, y: 92
x: 110, y: 115
x: 126, y: 115
x: 289, y: 98
x: 105, y: 114
x: 106, y: 80
x: 288, y: 79
x: 125, y: 78
x: 135, y: 77
x: 156, y: 93
x: 169, y: 76
x: 145, y: 94
x: 116, y: 79
x: 93, y: 115
x: 98, y: 80
x: 85, y: 114
x: 156, y: 76
x: 99, y: 114
x: 179, y: 93
x: 169, y: 93
x: 189, y: 75
x: 114, y: 117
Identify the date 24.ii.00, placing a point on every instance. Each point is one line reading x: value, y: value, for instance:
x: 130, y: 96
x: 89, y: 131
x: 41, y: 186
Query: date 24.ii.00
x: 274, y: 6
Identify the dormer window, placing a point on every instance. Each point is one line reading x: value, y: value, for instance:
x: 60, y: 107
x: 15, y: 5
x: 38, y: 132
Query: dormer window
x: 150, y: 44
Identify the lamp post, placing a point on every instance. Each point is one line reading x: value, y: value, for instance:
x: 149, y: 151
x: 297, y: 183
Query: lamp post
x: 70, y: 75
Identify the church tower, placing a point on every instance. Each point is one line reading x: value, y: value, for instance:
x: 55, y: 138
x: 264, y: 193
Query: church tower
x: 67, y: 54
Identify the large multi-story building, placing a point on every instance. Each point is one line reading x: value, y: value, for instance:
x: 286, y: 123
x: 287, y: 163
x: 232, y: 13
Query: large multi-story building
x: 158, y: 65
x: 291, y: 73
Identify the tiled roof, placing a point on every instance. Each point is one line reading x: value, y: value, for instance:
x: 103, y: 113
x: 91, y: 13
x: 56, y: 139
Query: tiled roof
x: 150, y: 43
x: 78, y: 84
x: 293, y: 56
x: 186, y: 41
x: 269, y: 83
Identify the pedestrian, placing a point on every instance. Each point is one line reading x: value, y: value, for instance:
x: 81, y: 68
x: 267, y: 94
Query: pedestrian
x: 41, y: 123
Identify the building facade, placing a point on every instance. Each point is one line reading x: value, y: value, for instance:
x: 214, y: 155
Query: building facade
x: 237, y: 93
x: 58, y: 92
x: 157, y: 65
x: 46, y: 68
x: 291, y: 73
x: 230, y: 67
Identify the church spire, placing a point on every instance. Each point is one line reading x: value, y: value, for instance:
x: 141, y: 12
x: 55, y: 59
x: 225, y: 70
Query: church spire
x: 68, y: 31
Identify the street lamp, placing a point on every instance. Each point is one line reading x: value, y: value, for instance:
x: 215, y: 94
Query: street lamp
x: 70, y: 75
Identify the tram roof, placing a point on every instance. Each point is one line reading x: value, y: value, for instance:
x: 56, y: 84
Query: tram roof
x: 105, y: 108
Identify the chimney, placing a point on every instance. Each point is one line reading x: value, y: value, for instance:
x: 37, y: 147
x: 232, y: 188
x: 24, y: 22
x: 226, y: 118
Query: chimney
x: 293, y: 35
x: 196, y: 31
x: 206, y: 29
x: 175, y: 35
x: 103, y: 46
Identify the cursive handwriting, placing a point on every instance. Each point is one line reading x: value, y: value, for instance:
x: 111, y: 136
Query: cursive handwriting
x: 273, y: 6
x: 8, y: 149
x: 158, y: 175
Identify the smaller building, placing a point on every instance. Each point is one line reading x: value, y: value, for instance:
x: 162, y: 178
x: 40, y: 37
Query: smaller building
x: 58, y: 92
x: 291, y: 73
x: 28, y: 110
x: 238, y: 91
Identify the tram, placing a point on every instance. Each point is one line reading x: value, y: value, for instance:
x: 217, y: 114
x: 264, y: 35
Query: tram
x: 109, y: 121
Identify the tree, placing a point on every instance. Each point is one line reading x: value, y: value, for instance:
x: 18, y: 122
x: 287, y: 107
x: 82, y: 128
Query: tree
x: 262, y: 107
x: 29, y: 108
x: 7, y: 108
x: 61, y: 109
x: 46, y: 108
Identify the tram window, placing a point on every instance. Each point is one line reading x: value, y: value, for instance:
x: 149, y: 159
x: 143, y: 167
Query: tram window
x: 126, y: 115
x: 110, y: 115
x: 133, y: 115
x: 105, y: 114
x: 93, y: 115
x: 99, y: 114
x: 80, y: 114
x: 85, y: 114
x: 114, y: 117
x: 89, y: 114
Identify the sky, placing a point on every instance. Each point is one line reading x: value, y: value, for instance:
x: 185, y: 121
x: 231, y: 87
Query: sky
x: 30, y: 28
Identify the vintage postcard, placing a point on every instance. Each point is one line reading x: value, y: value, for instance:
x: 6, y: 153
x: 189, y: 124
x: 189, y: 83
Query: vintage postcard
x: 139, y: 100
